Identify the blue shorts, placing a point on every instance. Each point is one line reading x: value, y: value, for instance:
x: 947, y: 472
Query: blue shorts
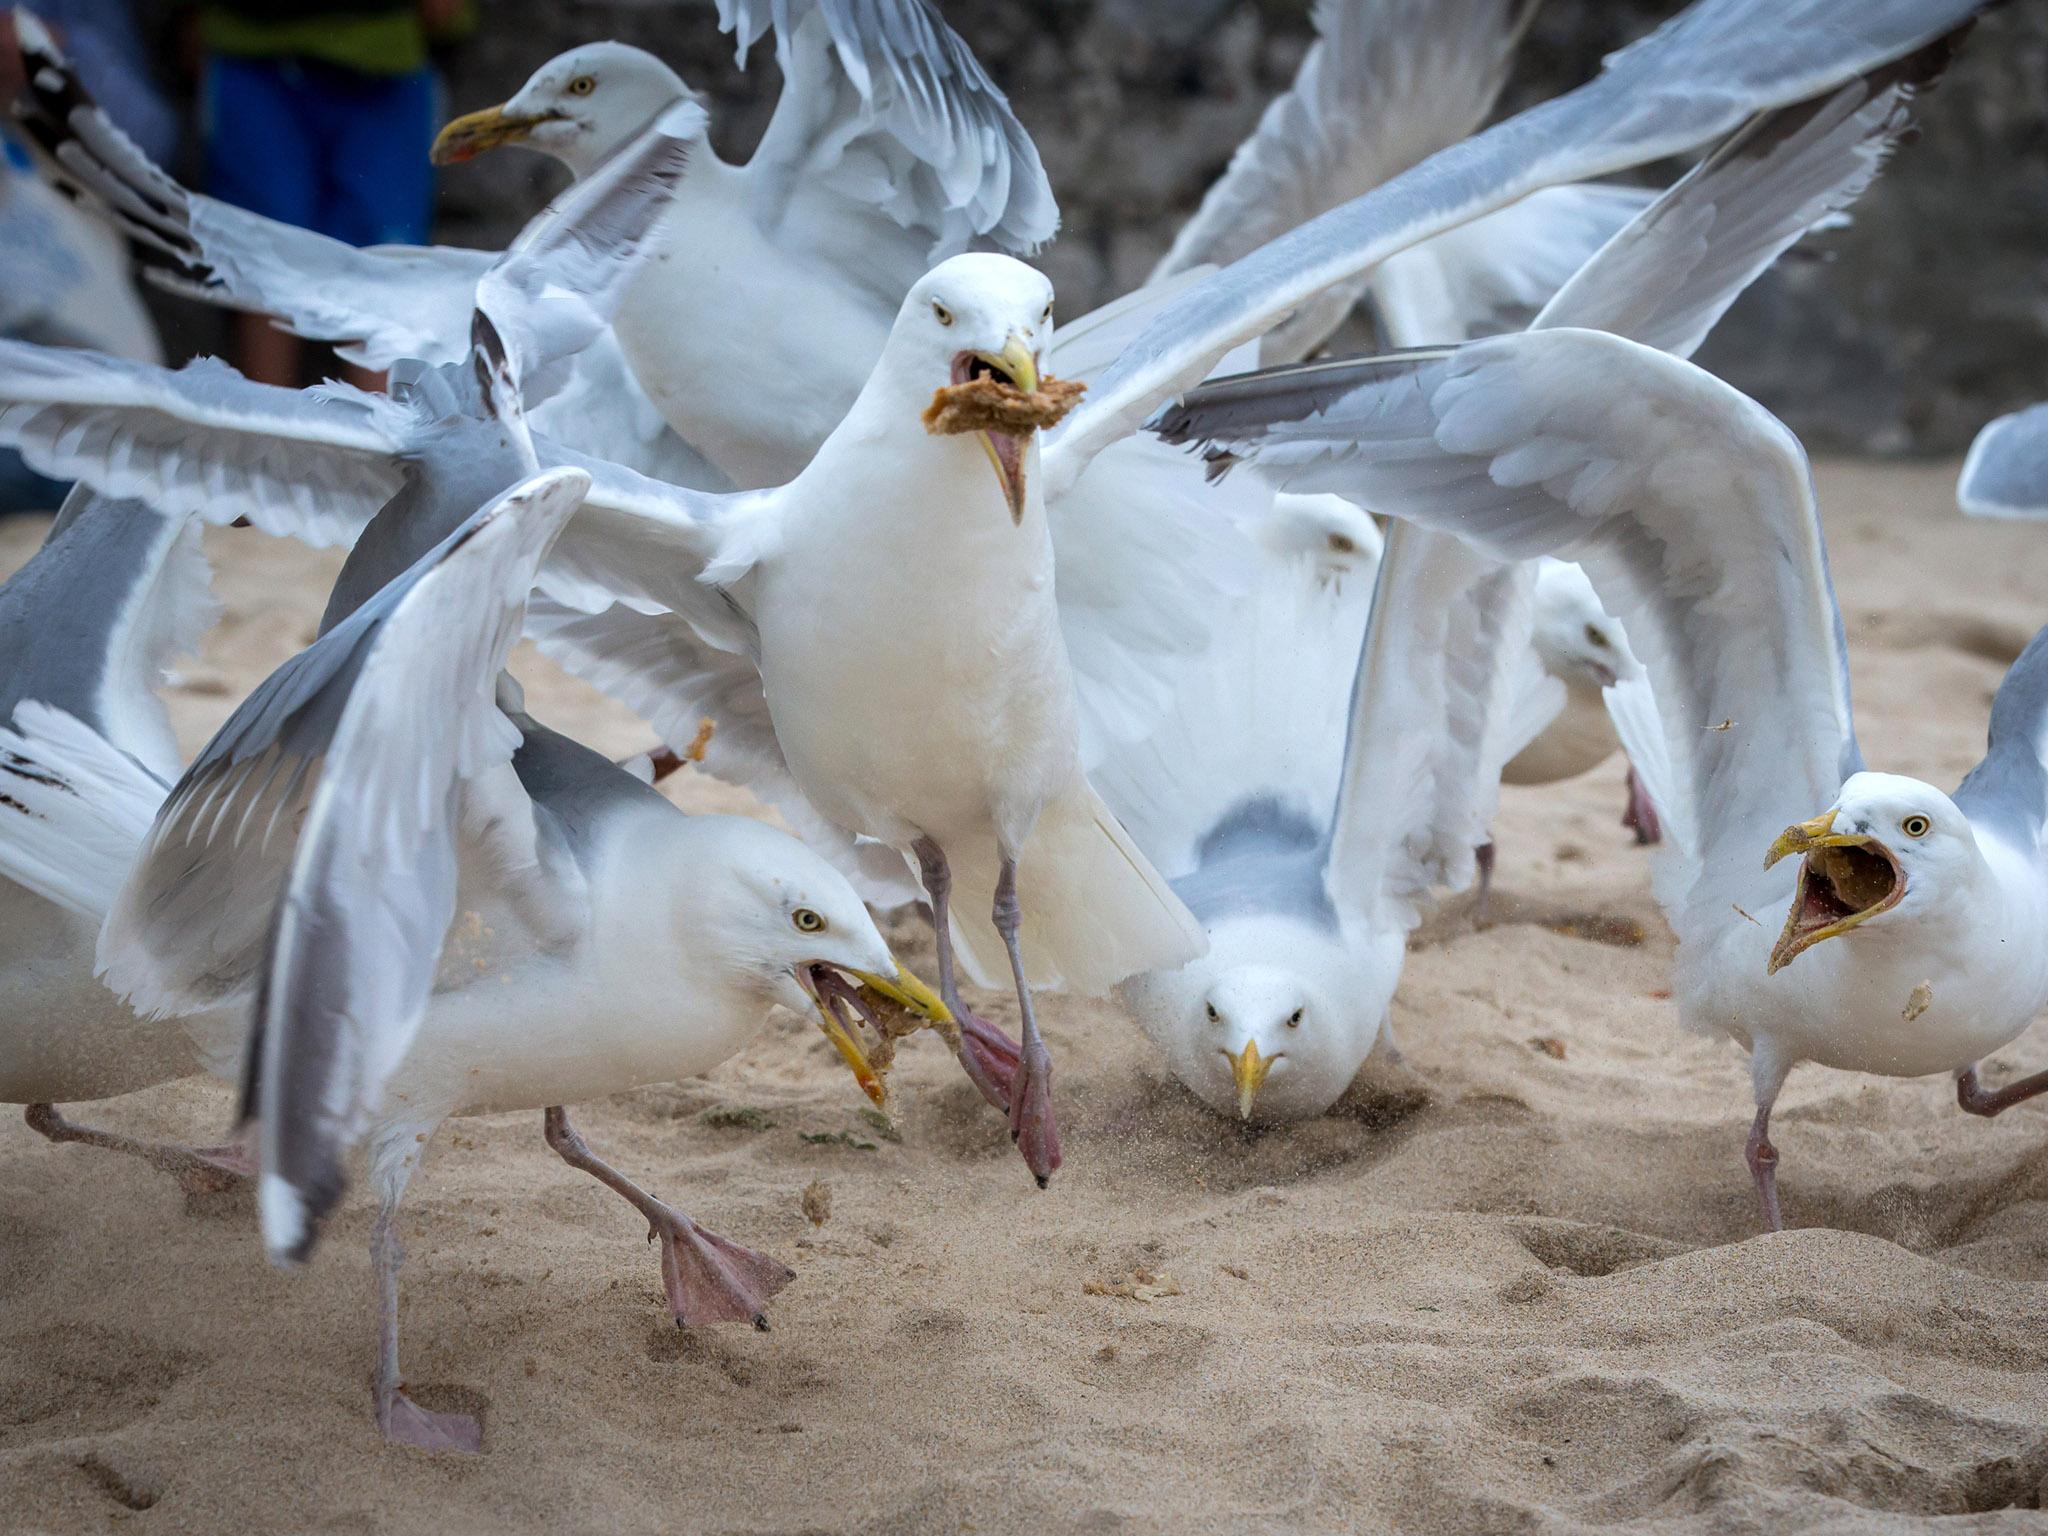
x: 321, y: 147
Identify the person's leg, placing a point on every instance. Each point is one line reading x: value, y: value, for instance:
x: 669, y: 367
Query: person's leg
x: 376, y: 183
x: 259, y: 156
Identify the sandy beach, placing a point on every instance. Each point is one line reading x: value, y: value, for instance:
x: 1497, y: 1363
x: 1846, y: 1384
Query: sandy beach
x: 1519, y: 1289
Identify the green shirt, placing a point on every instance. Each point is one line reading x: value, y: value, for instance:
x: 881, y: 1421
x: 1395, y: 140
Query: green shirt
x: 376, y: 39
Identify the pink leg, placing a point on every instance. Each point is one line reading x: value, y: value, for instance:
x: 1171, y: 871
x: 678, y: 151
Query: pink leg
x: 403, y: 1421
x: 1763, y: 1168
x: 198, y: 1170
x: 1974, y: 1097
x: 1031, y: 1117
x: 707, y: 1279
x: 987, y: 1055
x: 1640, y: 816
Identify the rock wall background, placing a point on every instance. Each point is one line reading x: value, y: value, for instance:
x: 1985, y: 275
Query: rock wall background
x: 1902, y: 333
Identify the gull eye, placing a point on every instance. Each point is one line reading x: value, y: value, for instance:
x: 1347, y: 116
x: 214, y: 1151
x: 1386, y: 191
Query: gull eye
x: 940, y: 313
x: 1294, y: 1018
x: 1048, y: 311
x: 1343, y: 544
x: 1916, y: 826
x: 807, y: 921
x: 1214, y: 1016
x: 1594, y: 637
x: 582, y: 85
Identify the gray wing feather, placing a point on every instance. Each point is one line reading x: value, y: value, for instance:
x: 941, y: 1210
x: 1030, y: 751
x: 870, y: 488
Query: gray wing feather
x: 2006, y: 474
x: 1669, y: 275
x: 1698, y: 77
x: 557, y: 287
x: 1386, y: 84
x: 188, y: 929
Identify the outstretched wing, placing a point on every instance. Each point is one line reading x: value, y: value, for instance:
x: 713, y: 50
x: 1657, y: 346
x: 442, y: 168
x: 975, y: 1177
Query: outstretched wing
x: 1690, y: 506
x: 557, y: 287
x: 2006, y: 474
x: 355, y: 939
x: 2008, y: 790
x: 890, y: 147
x: 1696, y: 78
x: 1386, y: 84
x: 1667, y: 278
x: 202, y: 441
x: 1435, y: 682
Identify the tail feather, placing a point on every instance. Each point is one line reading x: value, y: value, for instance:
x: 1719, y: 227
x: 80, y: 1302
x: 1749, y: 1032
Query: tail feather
x: 1095, y: 910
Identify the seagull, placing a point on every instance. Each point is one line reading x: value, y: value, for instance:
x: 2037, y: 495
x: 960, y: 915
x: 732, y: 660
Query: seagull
x: 1252, y: 800
x: 1825, y: 912
x: 87, y: 629
x: 2006, y: 473
x: 597, y: 938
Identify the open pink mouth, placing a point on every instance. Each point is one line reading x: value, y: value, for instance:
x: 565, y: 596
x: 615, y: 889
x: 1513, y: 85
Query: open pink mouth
x: 1007, y: 447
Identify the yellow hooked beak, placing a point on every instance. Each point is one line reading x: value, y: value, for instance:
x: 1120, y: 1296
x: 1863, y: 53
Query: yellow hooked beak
x: 907, y: 991
x: 850, y: 1052
x: 475, y: 132
x: 904, y: 989
x: 1846, y: 879
x: 1249, y: 1068
x: 1804, y: 838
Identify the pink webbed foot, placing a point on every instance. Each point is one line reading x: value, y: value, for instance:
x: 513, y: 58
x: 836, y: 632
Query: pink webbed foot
x: 990, y: 1059
x: 1032, y: 1125
x: 405, y: 1422
x: 1640, y: 815
x: 709, y: 1279
x: 216, y: 1170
